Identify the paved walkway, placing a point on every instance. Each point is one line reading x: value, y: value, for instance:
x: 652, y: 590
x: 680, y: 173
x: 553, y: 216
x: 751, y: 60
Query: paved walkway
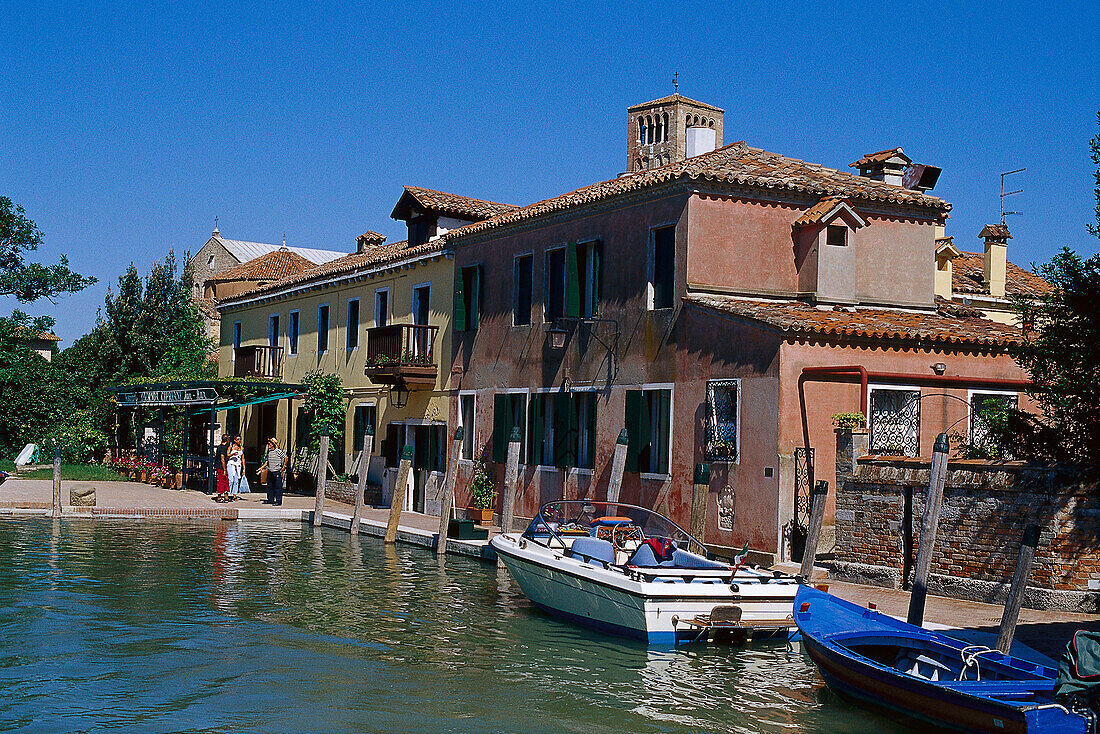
x: 1047, y: 632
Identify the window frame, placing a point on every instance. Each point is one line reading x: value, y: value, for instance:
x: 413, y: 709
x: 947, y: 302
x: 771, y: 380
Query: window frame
x: 547, y: 284
x: 237, y: 337
x: 357, y: 440
x: 274, y: 335
x: 468, y: 432
x: 870, y: 418
x: 651, y: 268
x: 593, y: 394
x: 385, y: 312
x: 328, y: 325
x: 590, y: 281
x: 293, y: 318
x: 524, y: 448
x: 841, y: 228
x: 530, y: 257
x: 972, y: 393
x: 349, y: 331
x: 655, y: 387
x: 707, y: 451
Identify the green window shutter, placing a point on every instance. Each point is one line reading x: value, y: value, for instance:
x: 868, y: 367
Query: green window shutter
x: 572, y: 282
x: 637, y: 427
x: 536, y: 418
x: 520, y: 422
x: 664, y: 428
x: 460, y: 305
x: 502, y: 426
x: 592, y: 431
x: 597, y: 280
x: 565, y: 430
x: 473, y: 313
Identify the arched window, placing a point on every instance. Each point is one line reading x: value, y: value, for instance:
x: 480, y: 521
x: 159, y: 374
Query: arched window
x: 660, y: 129
x: 652, y: 129
x: 665, y: 117
x: 641, y: 131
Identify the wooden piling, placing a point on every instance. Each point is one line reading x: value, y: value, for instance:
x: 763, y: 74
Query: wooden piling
x: 817, y: 516
x: 511, y: 482
x: 930, y: 522
x: 699, y: 491
x: 448, y: 493
x: 399, y: 488
x: 57, y: 481
x: 618, y: 466
x: 322, y: 478
x: 361, y: 486
x: 1019, y: 586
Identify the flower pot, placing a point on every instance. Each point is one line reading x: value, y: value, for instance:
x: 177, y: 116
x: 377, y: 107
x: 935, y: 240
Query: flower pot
x: 480, y: 516
x: 178, y: 480
x: 141, y: 476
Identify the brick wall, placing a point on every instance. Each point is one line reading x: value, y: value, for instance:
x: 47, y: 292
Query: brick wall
x: 986, y: 507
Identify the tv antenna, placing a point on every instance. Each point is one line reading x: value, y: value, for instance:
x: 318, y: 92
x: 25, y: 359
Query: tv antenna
x: 1008, y: 193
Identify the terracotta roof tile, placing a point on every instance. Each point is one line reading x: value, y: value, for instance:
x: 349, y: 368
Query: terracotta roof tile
x: 735, y: 164
x: 968, y: 276
x: 271, y: 266
x: 880, y: 157
x: 207, y: 307
x: 820, y: 210
x: 463, y: 206
x: 373, y: 257
x: 796, y: 318
x: 670, y: 99
x: 45, y: 336
x: 998, y: 231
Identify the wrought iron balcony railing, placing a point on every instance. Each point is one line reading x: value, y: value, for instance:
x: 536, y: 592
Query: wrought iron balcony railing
x: 402, y: 353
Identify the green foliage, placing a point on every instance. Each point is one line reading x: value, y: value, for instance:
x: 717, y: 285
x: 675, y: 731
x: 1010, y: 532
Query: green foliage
x: 483, y: 491
x: 1094, y: 149
x: 77, y: 473
x: 849, y: 420
x: 25, y: 281
x: 78, y: 437
x: 324, y: 403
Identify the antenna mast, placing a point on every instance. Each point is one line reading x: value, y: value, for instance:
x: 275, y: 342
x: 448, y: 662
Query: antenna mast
x: 1008, y: 193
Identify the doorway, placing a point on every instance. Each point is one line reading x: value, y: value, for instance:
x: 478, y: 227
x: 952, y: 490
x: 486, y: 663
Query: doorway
x: 427, y: 448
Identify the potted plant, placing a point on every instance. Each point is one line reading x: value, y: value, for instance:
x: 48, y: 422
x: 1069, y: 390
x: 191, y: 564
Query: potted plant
x: 483, y: 495
x: 849, y: 421
x: 723, y: 450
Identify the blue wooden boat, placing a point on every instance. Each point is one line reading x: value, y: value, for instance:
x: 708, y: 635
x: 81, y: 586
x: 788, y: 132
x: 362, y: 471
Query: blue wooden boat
x: 877, y: 661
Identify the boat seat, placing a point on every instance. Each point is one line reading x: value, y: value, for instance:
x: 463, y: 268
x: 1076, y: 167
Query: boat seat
x: 593, y: 550
x: 687, y: 559
x: 917, y: 664
x: 644, y: 557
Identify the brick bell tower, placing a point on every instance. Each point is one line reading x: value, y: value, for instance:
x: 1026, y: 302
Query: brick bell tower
x: 670, y: 129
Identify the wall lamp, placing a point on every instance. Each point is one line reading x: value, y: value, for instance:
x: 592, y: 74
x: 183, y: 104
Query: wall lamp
x: 399, y: 394
x: 939, y: 368
x: 557, y: 335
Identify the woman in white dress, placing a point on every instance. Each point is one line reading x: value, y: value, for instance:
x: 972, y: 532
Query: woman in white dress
x: 234, y: 468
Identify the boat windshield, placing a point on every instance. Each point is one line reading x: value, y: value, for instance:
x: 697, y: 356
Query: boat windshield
x: 558, y: 523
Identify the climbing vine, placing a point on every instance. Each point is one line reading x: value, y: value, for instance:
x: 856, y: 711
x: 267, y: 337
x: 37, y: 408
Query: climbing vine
x: 324, y: 403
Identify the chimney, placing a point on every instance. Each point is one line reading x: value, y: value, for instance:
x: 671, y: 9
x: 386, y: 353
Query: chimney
x: 886, y: 165
x: 368, y: 240
x: 996, y: 238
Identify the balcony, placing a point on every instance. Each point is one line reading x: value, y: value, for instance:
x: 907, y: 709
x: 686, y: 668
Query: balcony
x: 256, y: 361
x: 402, y: 353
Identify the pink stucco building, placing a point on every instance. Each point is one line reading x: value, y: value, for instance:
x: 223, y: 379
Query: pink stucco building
x: 693, y: 297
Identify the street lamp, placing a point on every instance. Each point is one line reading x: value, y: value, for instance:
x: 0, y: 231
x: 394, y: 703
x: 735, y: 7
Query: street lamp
x: 557, y: 334
x: 399, y: 394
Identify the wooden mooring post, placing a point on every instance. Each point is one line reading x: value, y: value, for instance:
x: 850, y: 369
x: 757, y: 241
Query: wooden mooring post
x: 322, y: 478
x: 511, y: 482
x: 399, y: 488
x: 447, y: 509
x: 57, y: 481
x: 817, y: 517
x: 700, y: 488
x: 1019, y: 586
x: 361, y: 486
x: 930, y: 522
x: 618, y: 466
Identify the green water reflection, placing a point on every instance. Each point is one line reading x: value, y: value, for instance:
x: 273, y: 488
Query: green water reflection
x: 161, y: 626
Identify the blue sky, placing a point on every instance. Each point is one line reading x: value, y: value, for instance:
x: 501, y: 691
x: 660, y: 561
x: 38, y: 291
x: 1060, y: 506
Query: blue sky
x: 125, y: 129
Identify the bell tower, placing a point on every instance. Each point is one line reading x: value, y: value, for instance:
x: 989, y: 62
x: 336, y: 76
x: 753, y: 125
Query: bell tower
x: 670, y: 129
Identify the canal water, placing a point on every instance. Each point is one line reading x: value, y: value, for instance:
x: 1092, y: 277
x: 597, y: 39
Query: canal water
x: 173, y: 626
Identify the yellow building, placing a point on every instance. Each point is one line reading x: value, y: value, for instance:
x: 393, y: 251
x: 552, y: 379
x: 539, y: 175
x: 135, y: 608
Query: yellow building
x: 380, y: 319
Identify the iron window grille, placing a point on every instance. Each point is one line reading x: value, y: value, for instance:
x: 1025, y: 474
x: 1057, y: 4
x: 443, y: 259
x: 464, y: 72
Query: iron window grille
x: 721, y: 428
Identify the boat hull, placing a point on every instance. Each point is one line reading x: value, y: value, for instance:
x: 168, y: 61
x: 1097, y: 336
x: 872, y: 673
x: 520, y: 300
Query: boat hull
x: 607, y: 600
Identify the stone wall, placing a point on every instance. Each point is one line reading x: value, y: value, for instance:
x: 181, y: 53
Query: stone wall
x: 986, y: 507
x: 345, y: 492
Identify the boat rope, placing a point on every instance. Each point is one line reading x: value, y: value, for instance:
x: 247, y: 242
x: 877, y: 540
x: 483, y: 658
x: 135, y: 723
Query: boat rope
x: 970, y: 656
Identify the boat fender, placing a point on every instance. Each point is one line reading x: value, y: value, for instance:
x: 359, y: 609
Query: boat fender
x: 522, y: 543
x: 735, y: 588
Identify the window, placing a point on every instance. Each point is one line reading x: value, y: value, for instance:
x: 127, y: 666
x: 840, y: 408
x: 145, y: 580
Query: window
x: 648, y: 424
x: 663, y: 274
x: 895, y: 421
x: 365, y: 415
x: 381, y: 307
x: 836, y: 235
x: 292, y: 331
x: 352, y: 338
x: 468, y: 298
x: 562, y: 429
x: 236, y: 337
x: 233, y: 421
x: 322, y: 328
x: 466, y: 423
x: 210, y: 261
x: 521, y: 291
x: 555, y: 285
x: 584, y: 404
x: 273, y: 330
x: 722, y: 403
x: 984, y: 406
x: 582, y: 291
x: 509, y: 411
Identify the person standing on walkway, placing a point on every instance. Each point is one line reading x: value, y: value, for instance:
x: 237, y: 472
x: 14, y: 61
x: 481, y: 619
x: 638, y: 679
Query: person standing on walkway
x: 234, y: 465
x: 221, y: 486
x: 275, y: 462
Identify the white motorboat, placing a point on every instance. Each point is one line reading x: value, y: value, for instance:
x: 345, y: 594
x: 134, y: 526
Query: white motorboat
x: 632, y: 571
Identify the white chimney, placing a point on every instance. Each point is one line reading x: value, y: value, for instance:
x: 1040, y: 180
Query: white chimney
x: 995, y: 264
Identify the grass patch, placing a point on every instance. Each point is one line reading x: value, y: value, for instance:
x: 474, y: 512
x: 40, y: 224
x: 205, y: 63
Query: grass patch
x: 77, y: 473
x: 7, y: 465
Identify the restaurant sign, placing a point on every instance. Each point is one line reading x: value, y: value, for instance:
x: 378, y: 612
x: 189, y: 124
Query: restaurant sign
x: 166, y: 398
